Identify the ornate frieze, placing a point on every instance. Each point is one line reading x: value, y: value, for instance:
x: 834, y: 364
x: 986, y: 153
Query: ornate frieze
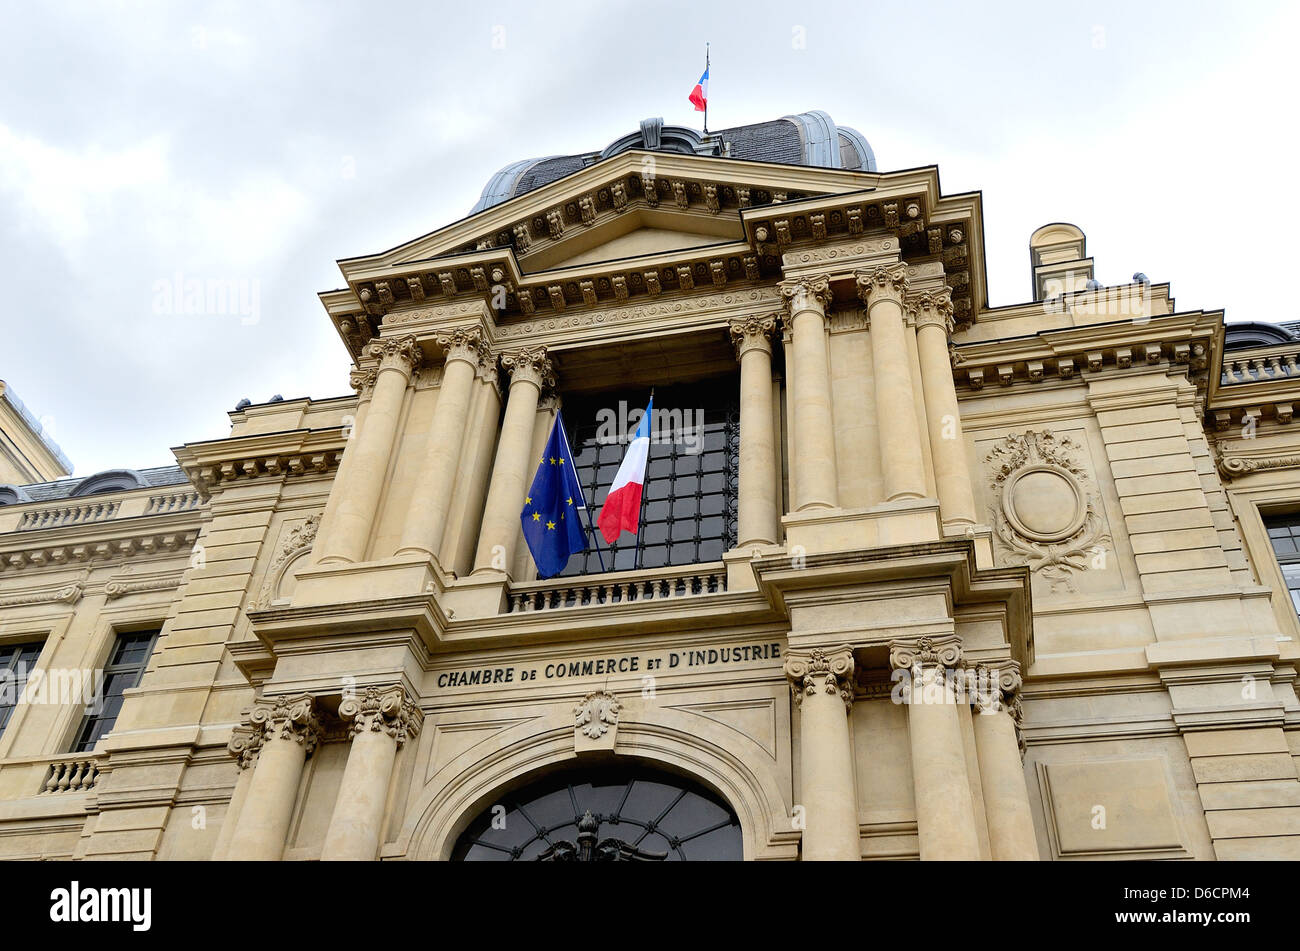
x: 382, y: 709
x: 109, y: 549
x: 1043, y: 512
x: 828, y: 671
x: 129, y: 582
x: 67, y: 593
x: 1231, y: 467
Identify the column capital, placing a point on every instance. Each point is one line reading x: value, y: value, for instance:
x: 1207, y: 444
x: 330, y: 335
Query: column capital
x: 362, y: 379
x: 245, y: 742
x: 931, y: 308
x: 464, y: 343
x: 933, y: 652
x: 399, y: 353
x: 995, y: 688
x: 806, y: 293
x: 529, y: 365
x: 752, y: 333
x: 386, y: 709
x: 833, y: 668
x: 287, y: 718
x: 883, y: 282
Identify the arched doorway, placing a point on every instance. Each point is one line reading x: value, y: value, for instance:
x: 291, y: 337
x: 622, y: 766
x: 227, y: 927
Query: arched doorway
x: 604, y: 814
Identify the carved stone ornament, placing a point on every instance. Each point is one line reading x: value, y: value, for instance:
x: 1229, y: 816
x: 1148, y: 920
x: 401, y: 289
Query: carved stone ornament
x: 530, y: 365
x: 363, y: 380
x: 749, y: 333
x: 402, y: 353
x: 932, y: 308
x: 465, y: 343
x: 245, y: 741
x: 1043, y: 512
x: 386, y: 709
x: 597, y: 712
x: 295, y: 543
x: 995, y: 689
x: 830, y: 671
x: 1231, y: 467
x: 806, y: 294
x: 884, y: 282
x: 287, y: 718
x: 944, y: 652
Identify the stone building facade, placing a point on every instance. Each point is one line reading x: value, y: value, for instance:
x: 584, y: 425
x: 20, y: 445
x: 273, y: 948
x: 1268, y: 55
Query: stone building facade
x: 920, y: 577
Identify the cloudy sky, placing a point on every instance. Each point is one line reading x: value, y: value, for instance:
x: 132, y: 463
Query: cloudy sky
x: 143, y: 144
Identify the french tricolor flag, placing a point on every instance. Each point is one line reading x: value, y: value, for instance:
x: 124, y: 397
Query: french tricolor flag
x: 622, y: 509
x: 700, y: 94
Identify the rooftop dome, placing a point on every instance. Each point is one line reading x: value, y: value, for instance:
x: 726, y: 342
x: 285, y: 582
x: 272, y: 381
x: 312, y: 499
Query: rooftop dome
x: 810, y: 138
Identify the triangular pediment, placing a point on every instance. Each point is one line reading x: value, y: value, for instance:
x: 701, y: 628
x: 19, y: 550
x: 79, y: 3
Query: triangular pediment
x: 635, y: 234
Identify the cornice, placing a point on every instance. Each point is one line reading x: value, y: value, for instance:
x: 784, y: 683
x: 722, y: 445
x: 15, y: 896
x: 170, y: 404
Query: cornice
x: 216, y: 464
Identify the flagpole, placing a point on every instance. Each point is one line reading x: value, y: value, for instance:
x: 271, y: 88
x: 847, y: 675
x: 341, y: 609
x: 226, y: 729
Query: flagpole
x: 640, y: 517
x: 573, y: 468
x: 706, y: 111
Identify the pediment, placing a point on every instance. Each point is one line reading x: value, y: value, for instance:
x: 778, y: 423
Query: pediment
x: 635, y: 234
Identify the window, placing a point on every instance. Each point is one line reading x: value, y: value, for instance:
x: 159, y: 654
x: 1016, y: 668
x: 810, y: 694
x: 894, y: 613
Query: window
x: 123, y: 671
x: 16, y: 662
x: 689, y: 500
x: 611, y: 814
x: 1284, y: 534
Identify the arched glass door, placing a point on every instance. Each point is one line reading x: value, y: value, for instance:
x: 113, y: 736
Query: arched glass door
x: 609, y: 814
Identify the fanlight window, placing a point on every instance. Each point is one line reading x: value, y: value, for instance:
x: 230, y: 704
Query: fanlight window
x: 615, y: 814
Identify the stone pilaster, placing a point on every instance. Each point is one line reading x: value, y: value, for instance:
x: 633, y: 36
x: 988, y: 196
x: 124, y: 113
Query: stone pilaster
x: 427, y: 516
x: 821, y: 682
x: 530, y: 373
x: 816, y: 480
x: 759, y: 517
x: 289, y: 732
x: 995, y: 697
x: 382, y: 719
x: 945, y: 811
x: 354, y: 499
x: 883, y: 291
x: 932, y: 313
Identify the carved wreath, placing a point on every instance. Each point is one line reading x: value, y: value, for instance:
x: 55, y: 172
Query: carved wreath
x: 1061, y: 552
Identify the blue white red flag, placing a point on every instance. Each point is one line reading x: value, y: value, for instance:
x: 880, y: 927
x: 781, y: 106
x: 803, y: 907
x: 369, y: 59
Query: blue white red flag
x: 700, y: 94
x: 622, y: 509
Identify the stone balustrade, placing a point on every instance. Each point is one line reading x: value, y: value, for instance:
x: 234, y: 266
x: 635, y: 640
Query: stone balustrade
x: 63, y: 515
x: 71, y: 774
x: 622, y: 587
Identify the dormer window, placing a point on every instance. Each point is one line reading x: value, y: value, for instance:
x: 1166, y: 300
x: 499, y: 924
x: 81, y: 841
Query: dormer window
x: 112, y: 480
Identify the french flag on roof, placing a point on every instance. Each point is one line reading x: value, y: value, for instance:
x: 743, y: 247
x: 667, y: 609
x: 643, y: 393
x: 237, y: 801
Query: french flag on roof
x: 622, y: 509
x: 700, y: 94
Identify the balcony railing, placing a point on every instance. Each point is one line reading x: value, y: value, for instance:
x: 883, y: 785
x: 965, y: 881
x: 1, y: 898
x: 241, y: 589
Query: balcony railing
x: 1273, y: 364
x: 72, y: 774
x: 623, y: 587
x: 61, y: 515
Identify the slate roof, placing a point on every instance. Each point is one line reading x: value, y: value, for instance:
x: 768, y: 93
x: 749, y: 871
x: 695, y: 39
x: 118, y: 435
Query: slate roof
x: 810, y: 138
x: 157, y: 477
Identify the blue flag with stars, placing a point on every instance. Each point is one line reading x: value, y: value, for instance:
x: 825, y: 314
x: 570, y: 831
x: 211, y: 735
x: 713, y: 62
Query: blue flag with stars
x: 550, y: 517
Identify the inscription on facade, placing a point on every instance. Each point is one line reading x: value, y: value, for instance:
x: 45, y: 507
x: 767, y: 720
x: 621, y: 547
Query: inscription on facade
x: 677, y: 661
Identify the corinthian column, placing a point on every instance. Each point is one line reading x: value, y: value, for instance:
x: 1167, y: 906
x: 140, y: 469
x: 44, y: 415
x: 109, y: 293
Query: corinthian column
x: 822, y: 685
x: 759, y: 516
x: 354, y: 498
x: 244, y: 744
x: 933, y: 314
x: 289, y: 732
x: 882, y: 291
x: 945, y: 811
x: 427, y: 515
x: 530, y: 371
x: 382, y: 720
x: 815, y: 482
x: 996, y: 695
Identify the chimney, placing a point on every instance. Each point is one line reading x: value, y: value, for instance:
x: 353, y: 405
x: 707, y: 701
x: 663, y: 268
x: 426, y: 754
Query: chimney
x: 1059, y: 257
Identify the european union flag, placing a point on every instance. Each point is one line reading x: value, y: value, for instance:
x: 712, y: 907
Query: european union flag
x: 550, y: 516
